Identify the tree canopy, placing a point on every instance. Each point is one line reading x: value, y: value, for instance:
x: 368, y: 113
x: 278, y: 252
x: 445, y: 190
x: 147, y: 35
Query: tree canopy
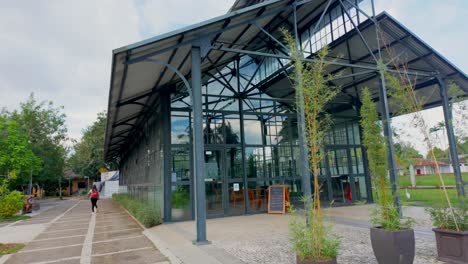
x: 88, y: 156
x: 40, y: 126
x: 16, y: 155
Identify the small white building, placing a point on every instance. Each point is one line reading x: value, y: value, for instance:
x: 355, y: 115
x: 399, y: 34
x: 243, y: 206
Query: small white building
x: 110, y: 184
x: 427, y: 166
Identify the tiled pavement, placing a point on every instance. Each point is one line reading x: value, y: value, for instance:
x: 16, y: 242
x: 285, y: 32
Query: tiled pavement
x: 77, y: 236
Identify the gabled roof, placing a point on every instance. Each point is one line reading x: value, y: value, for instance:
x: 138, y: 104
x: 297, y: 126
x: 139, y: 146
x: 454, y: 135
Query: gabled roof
x: 135, y: 81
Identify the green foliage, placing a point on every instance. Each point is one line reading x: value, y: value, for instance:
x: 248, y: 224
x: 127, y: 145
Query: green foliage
x: 11, y: 204
x: 88, y: 156
x: 406, y: 154
x: 44, y: 126
x: 149, y: 215
x: 313, y: 93
x: 443, y: 218
x: 302, y: 236
x: 439, y: 153
x: 16, y: 155
x: 180, y: 198
x: 385, y: 214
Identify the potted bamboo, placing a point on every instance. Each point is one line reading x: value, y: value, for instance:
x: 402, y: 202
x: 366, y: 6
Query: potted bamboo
x: 392, y: 239
x: 312, y: 239
x: 451, y: 232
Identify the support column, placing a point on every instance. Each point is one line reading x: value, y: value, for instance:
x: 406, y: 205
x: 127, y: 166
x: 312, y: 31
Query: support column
x: 387, y: 127
x: 447, y: 107
x: 198, y: 147
x: 303, y: 148
x: 166, y: 139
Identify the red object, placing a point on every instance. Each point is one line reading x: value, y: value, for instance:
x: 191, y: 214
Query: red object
x: 94, y: 194
x: 348, y: 193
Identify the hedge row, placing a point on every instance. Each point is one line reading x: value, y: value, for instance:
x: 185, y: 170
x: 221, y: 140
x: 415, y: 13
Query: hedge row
x: 149, y: 215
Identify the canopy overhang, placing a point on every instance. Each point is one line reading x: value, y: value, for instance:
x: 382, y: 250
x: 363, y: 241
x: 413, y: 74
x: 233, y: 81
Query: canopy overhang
x: 161, y: 64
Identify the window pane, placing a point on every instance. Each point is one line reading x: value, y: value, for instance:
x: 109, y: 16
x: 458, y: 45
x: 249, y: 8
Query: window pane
x: 254, y: 162
x: 180, y: 128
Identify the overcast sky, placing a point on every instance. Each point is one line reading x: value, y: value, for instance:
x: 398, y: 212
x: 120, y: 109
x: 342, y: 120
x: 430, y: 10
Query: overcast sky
x: 61, y: 49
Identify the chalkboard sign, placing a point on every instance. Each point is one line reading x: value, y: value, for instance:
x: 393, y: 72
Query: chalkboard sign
x: 276, y: 199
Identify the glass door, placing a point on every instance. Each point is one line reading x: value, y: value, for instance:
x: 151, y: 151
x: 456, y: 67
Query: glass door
x: 215, y: 182
x: 340, y: 174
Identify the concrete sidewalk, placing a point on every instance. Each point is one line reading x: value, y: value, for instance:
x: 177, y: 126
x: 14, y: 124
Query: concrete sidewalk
x: 78, y: 236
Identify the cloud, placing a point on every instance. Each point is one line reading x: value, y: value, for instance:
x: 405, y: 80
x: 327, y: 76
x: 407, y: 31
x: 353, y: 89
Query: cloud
x: 61, y: 50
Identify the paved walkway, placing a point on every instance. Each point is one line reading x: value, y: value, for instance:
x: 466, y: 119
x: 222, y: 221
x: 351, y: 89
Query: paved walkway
x: 264, y: 238
x: 73, y: 235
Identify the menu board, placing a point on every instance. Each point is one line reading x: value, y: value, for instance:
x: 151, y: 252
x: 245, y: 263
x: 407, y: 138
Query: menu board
x: 276, y: 199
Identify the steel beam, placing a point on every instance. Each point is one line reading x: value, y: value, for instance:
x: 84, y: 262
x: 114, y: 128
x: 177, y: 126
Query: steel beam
x: 198, y: 146
x: 451, y: 137
x: 387, y: 127
x: 166, y: 146
x: 257, y: 53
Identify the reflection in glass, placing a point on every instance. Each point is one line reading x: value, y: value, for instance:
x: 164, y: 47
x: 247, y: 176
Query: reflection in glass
x: 258, y: 196
x: 234, y: 163
x: 236, y: 198
x: 180, y: 202
x: 213, y: 130
x: 254, y: 156
x: 214, y: 182
x: 180, y: 128
x: 180, y: 164
x: 252, y: 130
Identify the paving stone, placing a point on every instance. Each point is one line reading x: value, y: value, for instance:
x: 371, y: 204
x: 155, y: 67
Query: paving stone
x: 146, y: 256
x: 121, y: 234
x: 124, y: 244
x: 45, y: 255
x: 55, y: 243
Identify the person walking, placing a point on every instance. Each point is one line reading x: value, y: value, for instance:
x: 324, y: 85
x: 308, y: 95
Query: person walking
x: 94, y: 195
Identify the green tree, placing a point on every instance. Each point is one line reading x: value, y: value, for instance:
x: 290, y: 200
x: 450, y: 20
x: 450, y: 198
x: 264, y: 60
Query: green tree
x: 439, y: 153
x: 16, y: 155
x: 44, y: 125
x: 88, y: 156
x: 406, y: 154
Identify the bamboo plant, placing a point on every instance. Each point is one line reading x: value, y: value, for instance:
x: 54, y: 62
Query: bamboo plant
x: 386, y: 214
x: 313, y: 239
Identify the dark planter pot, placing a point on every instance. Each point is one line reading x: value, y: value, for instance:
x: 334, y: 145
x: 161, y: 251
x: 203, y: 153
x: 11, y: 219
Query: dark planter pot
x: 307, y: 261
x: 452, y: 246
x: 393, y: 247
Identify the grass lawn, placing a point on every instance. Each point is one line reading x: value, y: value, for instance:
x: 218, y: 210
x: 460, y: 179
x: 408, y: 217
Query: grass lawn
x: 427, y: 197
x: 430, y: 180
x: 10, y: 248
x: 14, y: 218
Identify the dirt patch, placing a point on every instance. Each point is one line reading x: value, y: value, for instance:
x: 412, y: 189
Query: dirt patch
x: 10, y: 248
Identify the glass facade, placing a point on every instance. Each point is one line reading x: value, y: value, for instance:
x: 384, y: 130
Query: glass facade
x: 250, y: 138
x: 251, y: 142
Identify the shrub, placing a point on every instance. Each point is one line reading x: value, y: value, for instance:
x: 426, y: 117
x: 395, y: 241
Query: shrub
x: 148, y: 215
x: 304, y: 238
x: 11, y: 203
x: 443, y: 218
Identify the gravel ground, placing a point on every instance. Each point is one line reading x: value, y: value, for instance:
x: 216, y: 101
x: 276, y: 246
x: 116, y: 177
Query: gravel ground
x: 355, y: 248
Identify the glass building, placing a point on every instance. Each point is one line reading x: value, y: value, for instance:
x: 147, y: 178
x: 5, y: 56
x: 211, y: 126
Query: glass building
x: 203, y: 119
